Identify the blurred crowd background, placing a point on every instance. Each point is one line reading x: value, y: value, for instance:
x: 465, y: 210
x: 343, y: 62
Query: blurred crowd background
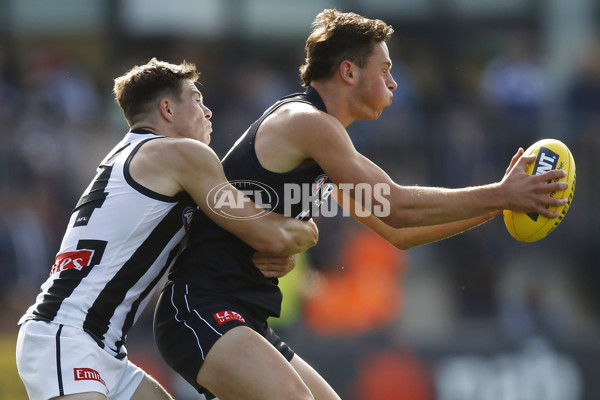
x: 478, y: 316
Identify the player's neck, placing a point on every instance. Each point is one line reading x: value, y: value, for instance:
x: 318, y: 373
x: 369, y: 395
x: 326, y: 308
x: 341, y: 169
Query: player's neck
x: 334, y: 97
x: 150, y: 126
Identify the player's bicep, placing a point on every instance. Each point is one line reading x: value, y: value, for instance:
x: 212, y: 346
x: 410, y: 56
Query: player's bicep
x: 328, y: 144
x: 202, y: 177
x: 361, y: 180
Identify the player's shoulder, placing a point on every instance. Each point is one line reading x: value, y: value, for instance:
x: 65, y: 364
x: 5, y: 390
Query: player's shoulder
x: 301, y: 109
x: 306, y: 117
x: 170, y: 164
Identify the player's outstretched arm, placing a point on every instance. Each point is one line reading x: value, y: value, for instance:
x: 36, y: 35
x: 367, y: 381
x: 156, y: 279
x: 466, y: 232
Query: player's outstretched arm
x: 407, y: 238
x: 191, y: 166
x: 324, y: 140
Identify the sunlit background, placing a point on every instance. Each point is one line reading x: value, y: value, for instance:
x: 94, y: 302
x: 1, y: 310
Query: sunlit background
x: 476, y: 317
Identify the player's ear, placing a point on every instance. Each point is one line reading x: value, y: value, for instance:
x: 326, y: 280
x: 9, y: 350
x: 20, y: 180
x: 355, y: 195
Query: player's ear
x: 164, y: 107
x: 347, y: 71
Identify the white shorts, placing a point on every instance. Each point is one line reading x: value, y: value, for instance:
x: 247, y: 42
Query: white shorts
x: 56, y: 360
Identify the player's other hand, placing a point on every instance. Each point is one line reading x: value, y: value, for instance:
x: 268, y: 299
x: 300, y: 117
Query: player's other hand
x: 514, y: 160
x: 274, y: 266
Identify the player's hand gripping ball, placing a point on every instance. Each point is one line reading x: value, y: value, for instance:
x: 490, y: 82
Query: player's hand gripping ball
x: 551, y: 154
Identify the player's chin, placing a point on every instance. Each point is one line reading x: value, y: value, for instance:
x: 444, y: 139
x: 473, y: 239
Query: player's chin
x: 205, y: 139
x: 377, y: 113
x: 371, y: 114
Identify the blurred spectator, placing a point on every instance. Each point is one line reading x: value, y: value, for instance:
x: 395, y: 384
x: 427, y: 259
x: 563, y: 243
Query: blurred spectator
x: 466, y: 155
x: 514, y: 88
x: 251, y: 87
x: 10, y: 96
x: 28, y: 239
x: 534, y: 299
x: 362, y: 294
x: 393, y: 374
x: 473, y: 263
x: 583, y: 96
x: 582, y: 103
x: 583, y: 108
x: 46, y: 110
x: 57, y: 89
x: 8, y: 257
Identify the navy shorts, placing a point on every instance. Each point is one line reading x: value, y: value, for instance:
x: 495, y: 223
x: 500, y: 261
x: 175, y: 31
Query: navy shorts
x: 187, y: 326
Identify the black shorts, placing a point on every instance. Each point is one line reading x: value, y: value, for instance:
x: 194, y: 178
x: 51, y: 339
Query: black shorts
x: 187, y: 325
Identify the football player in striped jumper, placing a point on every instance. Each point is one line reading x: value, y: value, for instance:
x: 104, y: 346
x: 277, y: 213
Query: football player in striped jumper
x: 123, y: 234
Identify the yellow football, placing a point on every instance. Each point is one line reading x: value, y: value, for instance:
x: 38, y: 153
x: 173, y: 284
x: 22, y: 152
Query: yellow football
x: 551, y: 154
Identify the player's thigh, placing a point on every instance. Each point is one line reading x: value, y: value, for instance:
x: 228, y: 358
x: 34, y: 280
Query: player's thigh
x: 150, y: 389
x: 243, y: 365
x: 82, y: 396
x: 319, y: 387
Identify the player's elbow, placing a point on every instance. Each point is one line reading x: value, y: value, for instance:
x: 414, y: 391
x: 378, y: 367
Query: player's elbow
x: 401, y: 240
x: 403, y: 216
x: 397, y: 220
x: 403, y: 245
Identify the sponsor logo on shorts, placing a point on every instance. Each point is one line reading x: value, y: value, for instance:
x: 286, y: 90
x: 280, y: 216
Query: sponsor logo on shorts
x: 87, y: 374
x: 72, y: 259
x: 226, y: 316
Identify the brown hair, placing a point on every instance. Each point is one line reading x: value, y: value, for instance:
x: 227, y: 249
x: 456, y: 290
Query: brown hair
x: 140, y: 88
x: 337, y: 37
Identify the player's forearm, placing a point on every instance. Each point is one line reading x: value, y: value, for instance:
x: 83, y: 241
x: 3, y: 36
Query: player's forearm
x: 407, y: 238
x: 427, y: 206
